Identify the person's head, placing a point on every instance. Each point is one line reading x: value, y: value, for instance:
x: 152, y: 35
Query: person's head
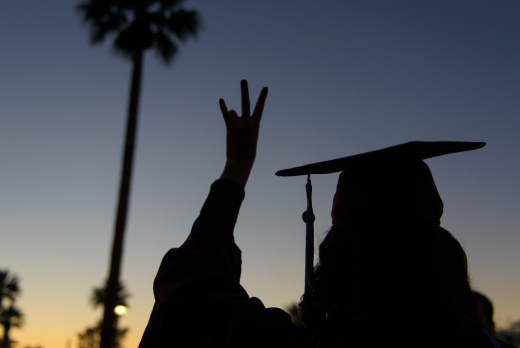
x: 387, y: 267
x: 395, y: 283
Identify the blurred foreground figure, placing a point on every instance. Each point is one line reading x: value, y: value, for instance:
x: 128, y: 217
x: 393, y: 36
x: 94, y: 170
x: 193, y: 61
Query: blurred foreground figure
x: 487, y: 310
x: 388, y: 275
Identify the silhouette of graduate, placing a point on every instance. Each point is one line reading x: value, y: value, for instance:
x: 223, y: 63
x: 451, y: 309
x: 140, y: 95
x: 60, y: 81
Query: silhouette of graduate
x: 387, y: 276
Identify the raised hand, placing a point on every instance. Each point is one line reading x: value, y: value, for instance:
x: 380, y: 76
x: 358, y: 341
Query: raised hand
x: 242, y: 136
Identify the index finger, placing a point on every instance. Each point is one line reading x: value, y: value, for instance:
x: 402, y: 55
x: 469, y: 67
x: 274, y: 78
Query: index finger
x: 259, y: 107
x: 224, y: 110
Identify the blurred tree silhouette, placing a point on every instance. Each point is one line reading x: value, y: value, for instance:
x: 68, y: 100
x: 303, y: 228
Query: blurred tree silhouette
x: 510, y: 334
x: 137, y: 26
x: 294, y: 310
x: 10, y: 317
x: 91, y: 337
x: 9, y: 288
x: 98, y: 296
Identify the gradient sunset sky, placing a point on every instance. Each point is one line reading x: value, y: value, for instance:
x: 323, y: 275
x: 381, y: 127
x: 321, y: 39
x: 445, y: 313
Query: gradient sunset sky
x: 344, y: 77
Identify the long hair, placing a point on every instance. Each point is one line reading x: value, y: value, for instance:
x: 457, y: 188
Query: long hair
x: 393, y: 286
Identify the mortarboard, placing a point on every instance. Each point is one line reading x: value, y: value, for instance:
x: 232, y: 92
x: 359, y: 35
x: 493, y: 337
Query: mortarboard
x: 392, y: 184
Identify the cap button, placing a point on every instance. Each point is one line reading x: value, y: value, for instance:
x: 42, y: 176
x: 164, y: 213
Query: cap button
x: 304, y: 217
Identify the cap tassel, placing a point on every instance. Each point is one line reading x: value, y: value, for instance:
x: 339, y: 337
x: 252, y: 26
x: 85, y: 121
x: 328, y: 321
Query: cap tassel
x: 309, y: 218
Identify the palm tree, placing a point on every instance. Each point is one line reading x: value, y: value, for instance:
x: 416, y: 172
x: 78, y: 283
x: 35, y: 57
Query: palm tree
x: 137, y: 26
x: 9, y: 288
x: 10, y: 317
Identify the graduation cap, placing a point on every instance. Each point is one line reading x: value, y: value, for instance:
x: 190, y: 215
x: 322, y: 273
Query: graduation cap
x: 392, y: 184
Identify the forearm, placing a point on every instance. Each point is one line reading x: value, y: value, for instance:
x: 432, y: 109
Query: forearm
x: 221, y: 208
x: 238, y: 172
x: 211, y: 236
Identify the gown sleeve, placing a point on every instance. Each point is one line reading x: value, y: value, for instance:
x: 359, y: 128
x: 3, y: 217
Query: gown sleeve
x: 199, y: 301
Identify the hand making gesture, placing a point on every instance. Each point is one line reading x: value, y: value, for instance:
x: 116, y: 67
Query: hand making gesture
x: 242, y: 136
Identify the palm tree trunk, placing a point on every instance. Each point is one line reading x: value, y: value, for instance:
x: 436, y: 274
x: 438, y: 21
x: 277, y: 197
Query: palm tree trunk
x: 109, y: 322
x: 5, y: 341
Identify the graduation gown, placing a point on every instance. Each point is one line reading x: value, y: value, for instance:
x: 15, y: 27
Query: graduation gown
x: 199, y: 301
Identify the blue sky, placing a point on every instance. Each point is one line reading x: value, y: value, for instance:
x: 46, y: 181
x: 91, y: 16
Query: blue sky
x: 344, y: 78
